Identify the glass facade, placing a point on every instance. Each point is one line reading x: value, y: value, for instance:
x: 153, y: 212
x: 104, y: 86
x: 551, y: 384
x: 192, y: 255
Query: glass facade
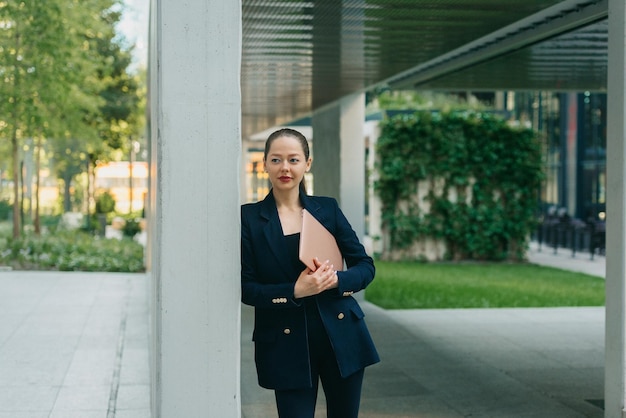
x: 573, y: 130
x: 592, y: 156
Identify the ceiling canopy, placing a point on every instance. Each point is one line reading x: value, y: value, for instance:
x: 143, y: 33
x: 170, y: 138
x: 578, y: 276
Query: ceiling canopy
x: 301, y: 55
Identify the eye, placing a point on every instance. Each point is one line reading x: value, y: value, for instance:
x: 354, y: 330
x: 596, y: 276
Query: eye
x: 294, y: 160
x: 275, y: 160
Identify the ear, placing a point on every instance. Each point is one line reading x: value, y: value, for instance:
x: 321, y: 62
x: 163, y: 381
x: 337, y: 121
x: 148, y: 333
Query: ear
x: 308, y: 164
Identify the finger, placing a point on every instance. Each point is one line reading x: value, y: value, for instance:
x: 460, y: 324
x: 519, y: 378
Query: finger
x: 329, y: 277
x: 331, y: 271
x: 322, y: 270
x: 334, y: 281
x: 330, y: 283
x: 326, y: 274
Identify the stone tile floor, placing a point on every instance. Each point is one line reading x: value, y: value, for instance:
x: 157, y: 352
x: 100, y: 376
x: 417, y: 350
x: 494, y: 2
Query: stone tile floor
x: 73, y: 345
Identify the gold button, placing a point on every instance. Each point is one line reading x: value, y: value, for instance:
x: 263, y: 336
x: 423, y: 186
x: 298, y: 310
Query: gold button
x: 341, y: 315
x: 287, y: 331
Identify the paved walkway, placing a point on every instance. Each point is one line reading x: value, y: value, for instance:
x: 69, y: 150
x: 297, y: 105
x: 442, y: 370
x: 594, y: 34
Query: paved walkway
x: 74, y: 345
x: 474, y: 363
x: 563, y: 259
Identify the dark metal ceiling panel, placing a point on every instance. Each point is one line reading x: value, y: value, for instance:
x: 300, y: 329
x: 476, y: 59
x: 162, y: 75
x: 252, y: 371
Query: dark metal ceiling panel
x: 571, y: 62
x: 301, y: 55
x: 522, y: 35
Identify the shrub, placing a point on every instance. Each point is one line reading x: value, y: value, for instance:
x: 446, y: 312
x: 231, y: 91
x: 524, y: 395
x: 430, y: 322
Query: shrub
x: 105, y: 203
x: 50, y: 221
x: 131, y: 227
x: 5, y: 210
x: 72, y: 251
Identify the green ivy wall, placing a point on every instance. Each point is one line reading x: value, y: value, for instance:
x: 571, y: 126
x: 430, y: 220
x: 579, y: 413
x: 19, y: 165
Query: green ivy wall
x: 457, y: 186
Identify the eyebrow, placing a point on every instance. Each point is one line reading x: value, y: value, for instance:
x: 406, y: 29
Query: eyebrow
x: 288, y: 155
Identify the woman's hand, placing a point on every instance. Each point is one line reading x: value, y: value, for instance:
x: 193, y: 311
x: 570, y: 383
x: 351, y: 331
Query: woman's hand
x: 312, y: 282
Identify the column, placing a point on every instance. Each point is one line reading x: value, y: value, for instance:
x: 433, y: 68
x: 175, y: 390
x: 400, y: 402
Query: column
x: 326, y: 151
x: 339, y: 156
x: 193, y: 254
x: 374, y: 223
x: 615, y: 370
x: 352, y: 180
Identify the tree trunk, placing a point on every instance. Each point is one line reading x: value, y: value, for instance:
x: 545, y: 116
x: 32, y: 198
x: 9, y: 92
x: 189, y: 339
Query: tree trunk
x: 23, y: 194
x: 130, y: 179
x: 37, y: 221
x: 67, y: 201
x: 16, y: 185
x: 89, y: 195
x: 14, y: 144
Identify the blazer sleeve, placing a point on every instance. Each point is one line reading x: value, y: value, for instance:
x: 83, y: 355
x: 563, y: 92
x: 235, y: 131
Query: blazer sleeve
x: 253, y: 291
x: 360, y: 267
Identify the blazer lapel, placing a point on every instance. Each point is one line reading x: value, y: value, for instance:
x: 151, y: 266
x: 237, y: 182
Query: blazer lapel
x: 314, y: 208
x: 274, y: 234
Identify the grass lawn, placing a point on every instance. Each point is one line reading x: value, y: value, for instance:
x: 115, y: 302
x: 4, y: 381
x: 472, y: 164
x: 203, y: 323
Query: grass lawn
x: 413, y: 285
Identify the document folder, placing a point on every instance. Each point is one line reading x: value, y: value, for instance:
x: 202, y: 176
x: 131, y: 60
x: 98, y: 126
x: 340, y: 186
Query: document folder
x: 317, y: 241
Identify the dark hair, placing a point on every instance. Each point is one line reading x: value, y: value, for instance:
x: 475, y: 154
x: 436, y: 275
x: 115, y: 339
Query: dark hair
x: 294, y: 134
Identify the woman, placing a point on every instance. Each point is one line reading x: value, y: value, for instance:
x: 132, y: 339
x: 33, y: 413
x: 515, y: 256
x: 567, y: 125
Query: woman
x: 308, y: 327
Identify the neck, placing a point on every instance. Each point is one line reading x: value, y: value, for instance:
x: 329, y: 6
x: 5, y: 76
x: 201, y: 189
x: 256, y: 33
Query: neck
x: 287, y: 200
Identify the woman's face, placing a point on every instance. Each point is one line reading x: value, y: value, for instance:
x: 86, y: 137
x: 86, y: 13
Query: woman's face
x: 285, y: 163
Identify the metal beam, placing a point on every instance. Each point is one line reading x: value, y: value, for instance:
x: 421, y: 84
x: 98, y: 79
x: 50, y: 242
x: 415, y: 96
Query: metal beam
x: 556, y: 20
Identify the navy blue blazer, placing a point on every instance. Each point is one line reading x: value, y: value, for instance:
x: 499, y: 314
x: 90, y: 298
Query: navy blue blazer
x: 267, y: 280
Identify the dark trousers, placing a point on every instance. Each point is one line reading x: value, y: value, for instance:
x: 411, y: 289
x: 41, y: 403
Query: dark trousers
x: 343, y: 395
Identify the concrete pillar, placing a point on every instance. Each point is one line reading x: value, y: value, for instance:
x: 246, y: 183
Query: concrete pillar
x: 352, y: 181
x: 374, y: 222
x: 326, y: 151
x: 615, y: 357
x: 339, y: 156
x: 193, y: 256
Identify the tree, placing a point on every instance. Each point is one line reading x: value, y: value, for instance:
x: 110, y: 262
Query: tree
x: 64, y: 77
x: 120, y: 120
x: 43, y: 67
x: 118, y: 113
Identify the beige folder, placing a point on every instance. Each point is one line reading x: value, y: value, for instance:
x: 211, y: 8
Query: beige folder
x: 317, y: 241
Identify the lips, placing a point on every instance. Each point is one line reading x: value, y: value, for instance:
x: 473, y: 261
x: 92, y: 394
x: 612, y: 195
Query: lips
x: 284, y: 178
